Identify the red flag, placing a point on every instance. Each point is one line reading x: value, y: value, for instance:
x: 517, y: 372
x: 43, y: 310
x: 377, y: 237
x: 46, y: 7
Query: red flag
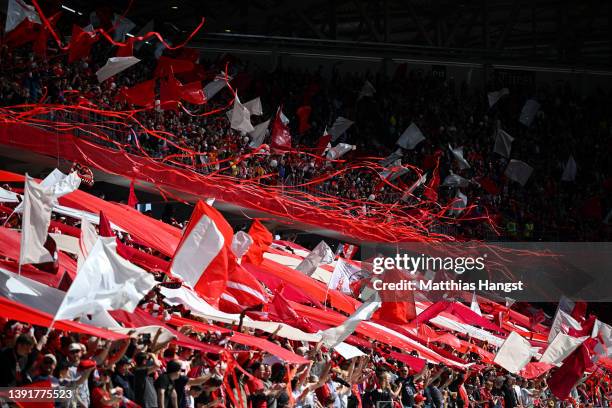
x: 142, y: 94
x: 587, y: 328
x: 243, y: 289
x: 80, y: 44
x: 24, y: 33
x: 170, y: 92
x: 132, y: 199
x: 281, y: 310
x: 396, y: 312
x: 204, y: 257
x: 464, y: 313
x: 322, y: 144
x: 45, y: 402
x: 262, y: 239
x: 281, y: 137
x: 127, y: 50
x: 535, y: 369
x: 303, y: 114
x: 489, y: 186
x: 167, y: 66
x: 563, y: 380
x: 431, y: 312
x: 431, y: 190
x: 104, y: 228
x: 579, y: 310
x: 193, y: 92
x: 397, y: 306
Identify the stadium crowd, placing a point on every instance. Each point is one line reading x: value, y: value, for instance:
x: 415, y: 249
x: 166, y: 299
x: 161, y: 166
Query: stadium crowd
x: 152, y: 373
x: 446, y: 112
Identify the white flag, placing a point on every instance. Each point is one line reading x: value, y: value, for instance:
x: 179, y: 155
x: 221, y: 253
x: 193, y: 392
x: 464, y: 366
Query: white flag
x: 392, y: 158
x: 458, y: 154
x: 529, y: 112
x: 122, y: 26
x: 88, y: 239
x: 258, y: 134
x: 411, y: 137
x: 347, y: 351
x: 339, y: 150
x: 421, y: 180
x: 335, y: 335
x: 241, y: 242
x: 561, y: 324
x: 503, y: 143
x: 18, y: 11
x: 561, y: 347
x: 339, y: 127
x: 518, y: 171
x: 106, y: 281
x: 7, y: 196
x: 514, y: 353
x: 398, y: 172
x: 254, y: 106
x: 603, y: 331
x: 37, y: 205
x: 213, y: 87
x: 114, y: 65
x: 29, y: 292
x: 459, y: 203
x: 344, y: 273
x: 60, y: 184
x: 455, y: 180
x: 367, y: 90
x: 241, y: 117
x: 569, y: 171
x: 495, y: 96
x: 321, y: 254
x: 475, y: 306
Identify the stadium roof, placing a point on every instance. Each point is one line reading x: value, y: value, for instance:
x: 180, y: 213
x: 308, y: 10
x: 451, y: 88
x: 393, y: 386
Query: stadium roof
x: 550, y: 32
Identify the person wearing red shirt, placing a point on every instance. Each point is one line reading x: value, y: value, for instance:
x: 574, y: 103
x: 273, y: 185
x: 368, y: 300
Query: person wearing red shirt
x: 102, y: 395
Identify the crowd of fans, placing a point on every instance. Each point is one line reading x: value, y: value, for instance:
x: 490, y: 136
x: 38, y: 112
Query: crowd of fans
x: 151, y: 370
x: 144, y: 371
x: 157, y: 374
x: 446, y: 112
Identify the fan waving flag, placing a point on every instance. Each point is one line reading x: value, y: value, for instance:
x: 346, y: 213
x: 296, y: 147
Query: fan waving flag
x: 105, y: 281
x: 281, y: 137
x: 344, y: 273
x: 262, y: 239
x: 204, y: 257
x: 37, y: 204
x: 411, y: 137
x: 243, y: 289
x: 115, y: 65
x: 514, y: 354
x: 132, y: 199
x: 17, y: 12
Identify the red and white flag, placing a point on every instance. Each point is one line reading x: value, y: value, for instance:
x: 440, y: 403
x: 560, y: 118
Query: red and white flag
x: 342, y: 277
x: 281, y: 136
x: 243, y: 290
x: 204, y: 257
x: 17, y: 12
x: 262, y: 239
